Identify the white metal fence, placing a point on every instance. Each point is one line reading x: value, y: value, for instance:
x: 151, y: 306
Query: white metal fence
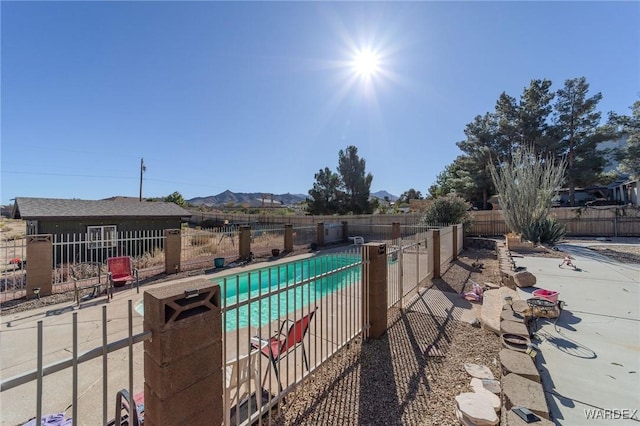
x: 328, y: 289
x: 87, y: 379
x: 13, y: 255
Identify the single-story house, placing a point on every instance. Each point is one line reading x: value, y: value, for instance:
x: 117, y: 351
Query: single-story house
x: 99, y: 224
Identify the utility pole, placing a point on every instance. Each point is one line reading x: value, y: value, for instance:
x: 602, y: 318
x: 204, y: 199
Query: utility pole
x: 142, y: 170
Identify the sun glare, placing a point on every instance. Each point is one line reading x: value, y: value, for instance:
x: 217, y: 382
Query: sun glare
x: 366, y: 63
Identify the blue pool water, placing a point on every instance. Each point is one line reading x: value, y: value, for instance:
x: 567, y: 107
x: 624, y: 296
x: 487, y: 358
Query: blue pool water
x: 292, y: 295
x: 286, y: 281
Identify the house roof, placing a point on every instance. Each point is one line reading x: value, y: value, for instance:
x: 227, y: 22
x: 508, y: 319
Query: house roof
x: 55, y: 208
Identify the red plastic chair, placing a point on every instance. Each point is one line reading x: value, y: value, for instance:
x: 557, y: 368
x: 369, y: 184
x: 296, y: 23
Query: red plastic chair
x: 134, y: 410
x: 280, y: 345
x: 121, y: 272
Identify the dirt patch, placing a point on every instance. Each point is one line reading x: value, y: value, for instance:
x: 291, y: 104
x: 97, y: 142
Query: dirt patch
x: 479, y: 265
x: 622, y: 254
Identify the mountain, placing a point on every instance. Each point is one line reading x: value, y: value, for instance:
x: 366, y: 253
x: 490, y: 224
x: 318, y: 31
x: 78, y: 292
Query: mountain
x: 247, y: 199
x: 255, y: 199
x: 382, y: 194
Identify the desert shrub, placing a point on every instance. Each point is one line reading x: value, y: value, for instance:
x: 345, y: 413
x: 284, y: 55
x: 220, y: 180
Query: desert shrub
x: 449, y: 209
x: 546, y: 231
x: 207, y: 249
x: 201, y: 239
x: 148, y: 259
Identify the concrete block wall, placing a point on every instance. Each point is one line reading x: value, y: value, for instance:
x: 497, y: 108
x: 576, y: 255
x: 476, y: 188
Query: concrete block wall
x: 183, y: 360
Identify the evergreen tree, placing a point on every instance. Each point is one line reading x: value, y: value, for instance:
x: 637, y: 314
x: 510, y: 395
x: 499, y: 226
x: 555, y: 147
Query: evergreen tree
x: 411, y: 194
x: 355, y: 184
x: 325, y: 193
x: 576, y: 125
x: 176, y: 198
x: 344, y: 192
x: 628, y: 127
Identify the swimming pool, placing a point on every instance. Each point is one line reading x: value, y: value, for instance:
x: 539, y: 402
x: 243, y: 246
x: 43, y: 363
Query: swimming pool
x: 277, y: 291
x: 258, y: 297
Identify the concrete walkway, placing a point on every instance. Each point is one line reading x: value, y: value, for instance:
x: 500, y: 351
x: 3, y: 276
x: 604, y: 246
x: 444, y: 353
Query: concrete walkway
x: 590, y: 358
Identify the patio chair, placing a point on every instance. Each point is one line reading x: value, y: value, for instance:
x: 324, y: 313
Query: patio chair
x: 357, y: 240
x: 121, y: 272
x: 238, y: 375
x: 280, y: 345
x: 133, y: 416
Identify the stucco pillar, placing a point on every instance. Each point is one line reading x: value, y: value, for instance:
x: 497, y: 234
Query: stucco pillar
x: 436, y: 253
x: 172, y: 250
x: 245, y: 242
x: 183, y: 360
x: 395, y: 230
x: 39, y: 264
x: 375, y: 300
x: 288, y: 238
x: 320, y: 235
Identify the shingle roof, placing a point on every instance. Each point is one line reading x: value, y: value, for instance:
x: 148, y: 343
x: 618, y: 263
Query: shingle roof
x: 43, y: 208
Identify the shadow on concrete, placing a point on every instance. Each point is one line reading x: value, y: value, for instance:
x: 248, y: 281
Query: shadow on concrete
x: 567, y: 345
x: 548, y: 386
x: 65, y: 309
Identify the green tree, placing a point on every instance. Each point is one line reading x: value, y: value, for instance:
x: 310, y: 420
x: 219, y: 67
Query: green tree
x: 325, y: 193
x: 454, y: 178
x: 411, y: 194
x: 484, y: 144
x: 577, y: 125
x: 534, y: 112
x: 176, y: 198
x: 628, y: 127
x: 355, y: 182
x: 344, y: 192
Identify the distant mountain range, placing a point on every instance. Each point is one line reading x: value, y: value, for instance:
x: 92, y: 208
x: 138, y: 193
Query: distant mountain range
x: 382, y: 194
x: 255, y: 199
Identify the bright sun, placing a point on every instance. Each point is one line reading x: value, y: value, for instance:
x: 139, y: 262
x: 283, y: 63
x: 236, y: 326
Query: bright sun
x: 366, y: 63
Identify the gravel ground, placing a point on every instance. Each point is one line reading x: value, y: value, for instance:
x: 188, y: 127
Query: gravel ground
x: 621, y: 249
x: 394, y: 380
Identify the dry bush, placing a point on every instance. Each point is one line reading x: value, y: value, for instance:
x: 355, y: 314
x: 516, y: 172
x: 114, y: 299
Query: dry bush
x: 268, y: 240
x: 200, y: 239
x: 148, y: 260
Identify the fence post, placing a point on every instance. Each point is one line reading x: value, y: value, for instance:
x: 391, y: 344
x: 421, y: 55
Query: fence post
x: 288, y: 238
x: 320, y: 234
x: 345, y: 231
x: 183, y: 360
x: 375, y: 300
x: 39, y: 264
x: 245, y: 242
x: 172, y: 250
x: 436, y: 253
x: 395, y: 230
x: 454, y: 235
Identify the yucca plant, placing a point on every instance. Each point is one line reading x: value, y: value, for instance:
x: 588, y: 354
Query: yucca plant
x: 547, y: 231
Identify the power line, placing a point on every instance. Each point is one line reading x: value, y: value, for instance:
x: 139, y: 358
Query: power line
x: 109, y: 177
x: 63, y: 174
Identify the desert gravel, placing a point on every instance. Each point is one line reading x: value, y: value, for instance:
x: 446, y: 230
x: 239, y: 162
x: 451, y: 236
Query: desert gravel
x: 400, y: 378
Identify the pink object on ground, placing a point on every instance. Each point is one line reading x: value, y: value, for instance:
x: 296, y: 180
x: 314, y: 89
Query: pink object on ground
x: 550, y: 295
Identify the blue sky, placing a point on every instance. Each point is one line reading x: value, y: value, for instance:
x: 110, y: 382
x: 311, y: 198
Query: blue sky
x: 258, y: 96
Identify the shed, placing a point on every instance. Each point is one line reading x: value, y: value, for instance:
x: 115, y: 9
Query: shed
x: 100, y: 223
